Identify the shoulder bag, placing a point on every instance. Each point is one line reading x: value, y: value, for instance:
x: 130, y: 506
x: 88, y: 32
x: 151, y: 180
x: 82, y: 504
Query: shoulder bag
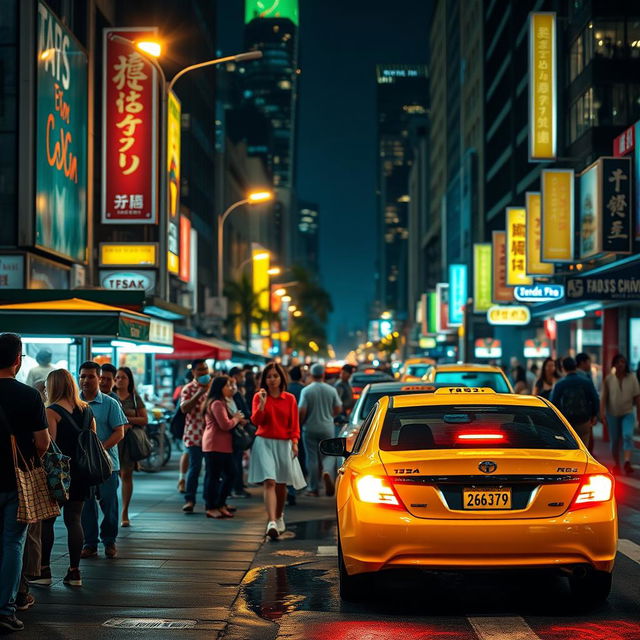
x: 242, y: 436
x: 57, y: 466
x: 137, y: 445
x: 35, y: 502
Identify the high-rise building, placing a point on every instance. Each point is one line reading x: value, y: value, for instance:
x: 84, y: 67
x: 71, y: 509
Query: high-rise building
x: 402, y: 100
x: 307, y: 240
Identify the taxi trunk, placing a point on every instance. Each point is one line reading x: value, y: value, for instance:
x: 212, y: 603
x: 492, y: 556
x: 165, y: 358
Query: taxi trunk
x: 485, y: 484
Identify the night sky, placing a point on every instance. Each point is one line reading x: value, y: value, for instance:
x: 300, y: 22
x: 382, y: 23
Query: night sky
x: 341, y: 41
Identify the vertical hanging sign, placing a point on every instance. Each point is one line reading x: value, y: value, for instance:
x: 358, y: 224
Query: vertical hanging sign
x: 501, y: 292
x: 174, y: 120
x: 129, y: 131
x: 482, y: 277
x: 557, y: 215
x: 616, y: 205
x: 185, y: 249
x: 535, y: 266
x: 589, y: 214
x: 457, y: 293
x: 516, y: 247
x: 542, y: 87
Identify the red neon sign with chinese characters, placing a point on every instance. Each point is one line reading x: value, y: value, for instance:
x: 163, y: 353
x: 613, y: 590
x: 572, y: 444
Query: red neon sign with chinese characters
x: 129, y: 131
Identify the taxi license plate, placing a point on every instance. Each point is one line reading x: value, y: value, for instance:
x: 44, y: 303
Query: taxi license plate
x: 486, y: 498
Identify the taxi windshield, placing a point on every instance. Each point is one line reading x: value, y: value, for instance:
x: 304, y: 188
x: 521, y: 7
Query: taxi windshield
x: 466, y: 426
x: 491, y: 379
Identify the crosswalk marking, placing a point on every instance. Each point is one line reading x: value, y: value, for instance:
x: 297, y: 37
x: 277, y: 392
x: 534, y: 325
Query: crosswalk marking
x: 502, y: 628
x: 328, y: 551
x: 629, y: 549
x: 631, y: 482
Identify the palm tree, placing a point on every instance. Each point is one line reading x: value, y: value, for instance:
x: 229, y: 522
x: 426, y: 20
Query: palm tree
x: 245, y: 303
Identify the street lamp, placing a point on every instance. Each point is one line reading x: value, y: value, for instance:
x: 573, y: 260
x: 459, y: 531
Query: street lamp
x: 262, y: 255
x: 152, y: 50
x: 255, y: 197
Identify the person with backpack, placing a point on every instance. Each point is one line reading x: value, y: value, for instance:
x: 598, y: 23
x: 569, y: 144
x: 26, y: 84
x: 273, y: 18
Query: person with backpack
x: 66, y: 408
x: 22, y: 417
x: 110, y: 423
x: 577, y: 399
x: 620, y: 397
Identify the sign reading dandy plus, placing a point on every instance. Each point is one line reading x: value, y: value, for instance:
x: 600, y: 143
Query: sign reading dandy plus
x: 129, y: 131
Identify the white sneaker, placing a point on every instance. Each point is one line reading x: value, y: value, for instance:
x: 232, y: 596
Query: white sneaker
x: 280, y: 525
x: 272, y: 530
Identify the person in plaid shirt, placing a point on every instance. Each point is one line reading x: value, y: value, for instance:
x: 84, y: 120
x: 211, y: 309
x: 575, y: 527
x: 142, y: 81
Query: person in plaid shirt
x: 192, y: 400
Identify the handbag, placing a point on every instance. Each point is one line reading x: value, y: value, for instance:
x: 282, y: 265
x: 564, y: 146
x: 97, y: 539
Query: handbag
x: 57, y: 466
x: 91, y: 463
x: 176, y: 426
x: 136, y: 445
x: 242, y: 436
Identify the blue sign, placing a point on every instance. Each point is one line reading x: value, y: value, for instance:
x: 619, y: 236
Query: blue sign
x: 539, y: 292
x: 457, y: 293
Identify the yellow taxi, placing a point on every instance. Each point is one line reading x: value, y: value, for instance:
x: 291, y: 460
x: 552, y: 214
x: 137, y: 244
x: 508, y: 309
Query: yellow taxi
x: 466, y: 478
x: 414, y: 369
x: 470, y: 375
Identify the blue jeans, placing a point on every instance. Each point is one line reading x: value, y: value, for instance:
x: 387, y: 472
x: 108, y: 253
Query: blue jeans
x: 12, y: 537
x: 106, y: 495
x: 193, y: 475
x: 621, y: 427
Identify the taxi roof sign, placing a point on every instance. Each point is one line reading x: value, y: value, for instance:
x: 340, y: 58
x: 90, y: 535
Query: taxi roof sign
x: 458, y: 390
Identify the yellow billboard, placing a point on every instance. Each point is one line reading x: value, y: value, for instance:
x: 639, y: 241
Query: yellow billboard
x: 516, y: 218
x: 557, y: 215
x: 542, y: 87
x: 535, y: 266
x: 113, y: 254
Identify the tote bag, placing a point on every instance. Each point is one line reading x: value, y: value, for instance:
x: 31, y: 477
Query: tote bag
x: 57, y: 466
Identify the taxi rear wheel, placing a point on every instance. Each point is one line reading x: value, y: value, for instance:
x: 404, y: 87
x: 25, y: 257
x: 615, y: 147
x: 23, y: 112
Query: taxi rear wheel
x: 352, y: 588
x: 591, y: 588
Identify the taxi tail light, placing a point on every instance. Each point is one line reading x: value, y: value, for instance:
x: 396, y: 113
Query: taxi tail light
x: 594, y: 489
x: 377, y: 490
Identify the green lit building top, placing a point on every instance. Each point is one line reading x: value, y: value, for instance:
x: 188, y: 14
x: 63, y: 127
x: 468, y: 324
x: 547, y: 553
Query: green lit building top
x: 271, y: 9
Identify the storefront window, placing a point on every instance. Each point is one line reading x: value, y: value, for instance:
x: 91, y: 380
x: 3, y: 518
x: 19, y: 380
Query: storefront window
x: 42, y: 356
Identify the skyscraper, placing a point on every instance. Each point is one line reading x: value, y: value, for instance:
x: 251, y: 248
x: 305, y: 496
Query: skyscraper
x: 402, y: 97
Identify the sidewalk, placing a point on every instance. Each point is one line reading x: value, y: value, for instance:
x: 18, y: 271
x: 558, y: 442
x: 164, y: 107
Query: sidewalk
x: 170, y: 566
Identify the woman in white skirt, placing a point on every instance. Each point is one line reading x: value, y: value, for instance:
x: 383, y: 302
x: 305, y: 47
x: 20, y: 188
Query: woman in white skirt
x: 274, y: 455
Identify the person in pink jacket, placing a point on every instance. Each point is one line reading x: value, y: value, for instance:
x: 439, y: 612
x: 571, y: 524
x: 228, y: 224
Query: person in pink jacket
x: 217, y: 447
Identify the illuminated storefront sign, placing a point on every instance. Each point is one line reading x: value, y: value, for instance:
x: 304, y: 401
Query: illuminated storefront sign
x: 124, y: 255
x: 589, y: 214
x: 129, y: 131
x: 11, y: 272
x: 174, y: 262
x: 539, y: 292
x: 501, y: 292
x: 535, y: 266
x: 626, y: 144
x: 542, y: 87
x: 616, y: 284
x: 128, y: 280
x: 509, y: 315
x: 488, y: 348
x: 557, y: 215
x: 442, y: 306
x: 482, y: 277
x: 536, y: 349
x: 185, y: 249
x: 161, y: 332
x: 516, y: 247
x: 61, y: 140
x: 271, y: 9
x: 457, y: 293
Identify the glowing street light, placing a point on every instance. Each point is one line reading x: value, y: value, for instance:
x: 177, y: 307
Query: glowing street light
x: 286, y: 298
x: 280, y: 292
x: 150, y: 47
x: 274, y: 271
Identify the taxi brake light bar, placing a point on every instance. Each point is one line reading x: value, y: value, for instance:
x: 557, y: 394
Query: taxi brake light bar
x: 480, y: 437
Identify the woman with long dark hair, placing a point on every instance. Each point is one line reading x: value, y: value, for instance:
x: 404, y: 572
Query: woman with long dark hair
x: 275, y: 449
x: 548, y: 377
x: 136, y: 412
x: 217, y: 447
x: 66, y: 408
x: 620, y: 396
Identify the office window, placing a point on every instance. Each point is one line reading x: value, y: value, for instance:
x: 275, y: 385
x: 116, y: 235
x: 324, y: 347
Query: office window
x: 608, y: 39
x: 582, y: 115
x: 576, y: 58
x: 633, y: 38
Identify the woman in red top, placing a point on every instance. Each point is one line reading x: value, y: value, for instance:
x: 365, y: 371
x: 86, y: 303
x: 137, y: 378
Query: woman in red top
x: 218, y: 449
x: 274, y: 455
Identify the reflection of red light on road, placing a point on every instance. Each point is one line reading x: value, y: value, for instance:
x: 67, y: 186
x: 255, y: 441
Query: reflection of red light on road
x: 380, y: 630
x: 609, y: 630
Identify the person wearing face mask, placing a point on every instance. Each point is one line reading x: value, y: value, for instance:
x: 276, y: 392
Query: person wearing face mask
x: 193, y: 398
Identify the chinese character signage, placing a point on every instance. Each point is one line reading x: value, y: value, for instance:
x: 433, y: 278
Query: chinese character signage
x: 501, y: 292
x: 516, y: 246
x: 535, y: 266
x: 513, y: 315
x: 542, y: 86
x: 626, y: 144
x: 482, y: 276
x: 129, y: 131
x: 61, y: 140
x: 557, y: 215
x: 173, y: 181
x: 616, y: 205
x: 457, y: 293
x: 589, y: 214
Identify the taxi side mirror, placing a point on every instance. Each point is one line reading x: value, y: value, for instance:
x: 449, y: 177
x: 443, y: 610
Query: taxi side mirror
x: 334, y: 447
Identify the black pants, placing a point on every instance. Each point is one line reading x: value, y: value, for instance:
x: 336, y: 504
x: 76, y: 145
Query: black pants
x: 72, y: 512
x: 220, y: 477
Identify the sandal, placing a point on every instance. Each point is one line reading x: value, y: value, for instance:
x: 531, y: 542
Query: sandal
x: 214, y: 513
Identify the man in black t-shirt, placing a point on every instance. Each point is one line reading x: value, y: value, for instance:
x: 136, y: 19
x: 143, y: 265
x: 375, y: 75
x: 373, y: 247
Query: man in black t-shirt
x: 24, y: 417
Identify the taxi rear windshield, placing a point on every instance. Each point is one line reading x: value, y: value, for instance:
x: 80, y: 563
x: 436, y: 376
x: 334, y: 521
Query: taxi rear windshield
x: 418, y: 370
x: 474, y: 427
x: 493, y: 380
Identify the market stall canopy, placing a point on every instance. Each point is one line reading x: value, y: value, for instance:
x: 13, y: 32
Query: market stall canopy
x: 188, y: 348
x: 74, y: 318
